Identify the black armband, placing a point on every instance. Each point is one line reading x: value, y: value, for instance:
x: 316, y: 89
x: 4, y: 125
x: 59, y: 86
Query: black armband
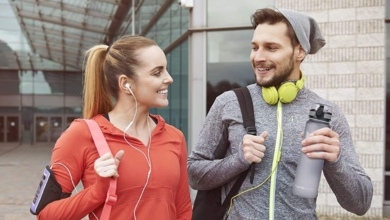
x: 49, y: 190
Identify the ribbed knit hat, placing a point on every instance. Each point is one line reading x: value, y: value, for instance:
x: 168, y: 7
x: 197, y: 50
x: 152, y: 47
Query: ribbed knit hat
x: 306, y: 29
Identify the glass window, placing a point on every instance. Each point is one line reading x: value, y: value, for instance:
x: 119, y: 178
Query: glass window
x: 163, y: 29
x: 9, y: 88
x: 176, y: 21
x: 9, y: 82
x: 184, y: 89
x: 170, y: 26
x: 48, y: 76
x: 152, y: 33
x: 149, y: 9
x: 44, y: 88
x: 9, y: 75
x: 184, y: 20
x: 6, y: 13
x: 10, y: 35
x: 9, y: 23
x: 29, y: 82
x: 236, y: 13
x: 26, y: 76
x: 174, y: 93
x: 26, y: 87
x: 228, y: 64
x: 73, y: 84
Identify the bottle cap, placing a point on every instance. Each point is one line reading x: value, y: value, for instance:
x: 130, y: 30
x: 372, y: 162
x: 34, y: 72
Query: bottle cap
x: 321, y: 112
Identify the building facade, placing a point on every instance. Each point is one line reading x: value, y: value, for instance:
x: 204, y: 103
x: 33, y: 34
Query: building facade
x: 350, y: 71
x: 207, y: 48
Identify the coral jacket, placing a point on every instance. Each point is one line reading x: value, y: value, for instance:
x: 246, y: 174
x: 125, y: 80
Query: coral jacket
x: 166, y: 196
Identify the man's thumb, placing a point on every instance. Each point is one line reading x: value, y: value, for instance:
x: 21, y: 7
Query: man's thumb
x: 119, y: 156
x: 264, y: 134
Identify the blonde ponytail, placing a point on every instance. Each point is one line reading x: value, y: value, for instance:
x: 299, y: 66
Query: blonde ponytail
x: 97, y: 98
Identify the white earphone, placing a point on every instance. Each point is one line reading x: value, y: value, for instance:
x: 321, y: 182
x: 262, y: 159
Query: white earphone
x: 147, y: 156
x: 127, y: 85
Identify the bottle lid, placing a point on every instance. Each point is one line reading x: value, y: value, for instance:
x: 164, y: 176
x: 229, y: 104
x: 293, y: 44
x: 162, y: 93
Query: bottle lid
x: 321, y: 112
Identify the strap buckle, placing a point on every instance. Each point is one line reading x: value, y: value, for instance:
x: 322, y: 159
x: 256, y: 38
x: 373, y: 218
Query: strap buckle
x: 111, y: 199
x: 251, y: 130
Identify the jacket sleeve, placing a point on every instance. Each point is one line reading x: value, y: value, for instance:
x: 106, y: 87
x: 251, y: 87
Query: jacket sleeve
x: 204, y: 170
x: 75, y: 150
x: 347, y: 179
x: 183, y: 199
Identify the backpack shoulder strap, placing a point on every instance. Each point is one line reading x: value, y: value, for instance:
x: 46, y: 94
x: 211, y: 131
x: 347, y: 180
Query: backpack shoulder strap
x: 103, y: 148
x: 248, y: 117
x: 246, y: 106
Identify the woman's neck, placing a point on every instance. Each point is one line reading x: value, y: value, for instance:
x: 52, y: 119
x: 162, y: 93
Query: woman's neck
x: 122, y: 116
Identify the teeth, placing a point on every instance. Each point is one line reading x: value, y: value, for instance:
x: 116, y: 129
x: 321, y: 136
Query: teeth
x: 263, y: 69
x: 164, y: 91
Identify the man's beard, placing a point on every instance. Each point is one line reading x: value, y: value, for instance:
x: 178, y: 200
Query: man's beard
x: 279, y: 76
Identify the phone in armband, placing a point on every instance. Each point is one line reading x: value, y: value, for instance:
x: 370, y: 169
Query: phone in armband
x: 49, y: 190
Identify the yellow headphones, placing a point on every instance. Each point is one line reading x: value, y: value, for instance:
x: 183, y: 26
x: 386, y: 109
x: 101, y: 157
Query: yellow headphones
x: 286, y: 92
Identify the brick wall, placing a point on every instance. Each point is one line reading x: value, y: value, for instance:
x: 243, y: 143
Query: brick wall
x: 350, y: 71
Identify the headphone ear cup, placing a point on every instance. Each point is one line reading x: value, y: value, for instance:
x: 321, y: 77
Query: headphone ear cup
x: 270, y: 95
x: 287, y: 92
x: 300, y: 83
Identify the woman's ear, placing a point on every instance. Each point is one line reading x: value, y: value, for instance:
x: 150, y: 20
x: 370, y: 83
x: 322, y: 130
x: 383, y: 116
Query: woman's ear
x: 124, y: 83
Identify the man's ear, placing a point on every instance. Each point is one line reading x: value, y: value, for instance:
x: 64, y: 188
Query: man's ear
x: 300, y: 53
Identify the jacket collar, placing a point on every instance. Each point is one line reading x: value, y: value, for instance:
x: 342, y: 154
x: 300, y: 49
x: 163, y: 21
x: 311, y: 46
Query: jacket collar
x: 108, y: 128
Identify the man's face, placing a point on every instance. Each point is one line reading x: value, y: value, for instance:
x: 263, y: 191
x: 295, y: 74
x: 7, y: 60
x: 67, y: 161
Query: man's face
x: 272, y: 55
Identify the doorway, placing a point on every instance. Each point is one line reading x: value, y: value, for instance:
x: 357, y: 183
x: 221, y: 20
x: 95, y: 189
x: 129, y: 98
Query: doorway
x: 9, y: 128
x: 48, y: 128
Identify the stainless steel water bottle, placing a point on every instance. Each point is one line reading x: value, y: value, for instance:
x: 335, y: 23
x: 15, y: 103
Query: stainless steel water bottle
x: 309, y: 170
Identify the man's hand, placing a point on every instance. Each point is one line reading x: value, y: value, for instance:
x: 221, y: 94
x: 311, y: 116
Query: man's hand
x: 107, y: 165
x: 323, y: 144
x: 253, y: 147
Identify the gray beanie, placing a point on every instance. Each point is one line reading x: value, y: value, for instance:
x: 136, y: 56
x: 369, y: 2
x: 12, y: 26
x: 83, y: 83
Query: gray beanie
x: 306, y: 29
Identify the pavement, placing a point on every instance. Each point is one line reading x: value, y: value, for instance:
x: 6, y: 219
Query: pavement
x: 21, y: 168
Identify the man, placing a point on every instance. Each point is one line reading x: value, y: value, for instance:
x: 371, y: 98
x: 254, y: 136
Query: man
x: 281, y: 40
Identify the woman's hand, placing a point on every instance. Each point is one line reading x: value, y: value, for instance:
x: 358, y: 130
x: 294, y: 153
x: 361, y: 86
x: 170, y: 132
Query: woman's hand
x: 107, y: 165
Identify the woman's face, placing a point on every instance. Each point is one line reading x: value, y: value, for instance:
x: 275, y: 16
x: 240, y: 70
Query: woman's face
x: 151, y: 87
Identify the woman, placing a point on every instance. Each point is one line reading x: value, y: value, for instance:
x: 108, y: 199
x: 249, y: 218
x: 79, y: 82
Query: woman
x: 150, y: 158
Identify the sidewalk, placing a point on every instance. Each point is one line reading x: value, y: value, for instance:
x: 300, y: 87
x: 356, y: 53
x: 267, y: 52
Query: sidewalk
x: 21, y: 168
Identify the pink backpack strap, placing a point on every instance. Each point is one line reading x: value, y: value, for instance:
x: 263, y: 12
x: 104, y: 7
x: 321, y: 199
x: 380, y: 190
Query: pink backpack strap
x: 102, y: 148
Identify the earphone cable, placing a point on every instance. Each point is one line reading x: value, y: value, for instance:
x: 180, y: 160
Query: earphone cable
x: 147, y: 157
x: 279, y: 153
x: 71, y: 179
